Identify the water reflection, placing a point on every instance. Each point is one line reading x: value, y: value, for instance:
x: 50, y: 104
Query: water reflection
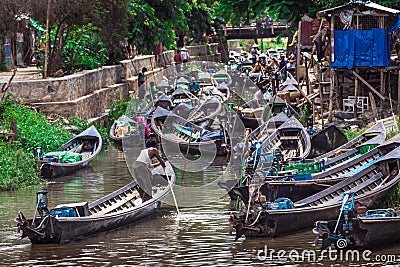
x: 198, y: 237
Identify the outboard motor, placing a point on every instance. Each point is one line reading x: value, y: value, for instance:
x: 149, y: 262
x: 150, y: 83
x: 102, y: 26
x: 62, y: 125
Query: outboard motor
x: 41, y: 202
x: 38, y: 153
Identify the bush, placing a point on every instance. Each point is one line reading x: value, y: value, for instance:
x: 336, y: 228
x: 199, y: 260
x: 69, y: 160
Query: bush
x: 17, y: 168
x: 33, y: 128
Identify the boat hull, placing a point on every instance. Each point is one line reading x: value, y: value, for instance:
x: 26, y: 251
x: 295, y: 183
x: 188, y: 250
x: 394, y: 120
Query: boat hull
x: 64, y: 230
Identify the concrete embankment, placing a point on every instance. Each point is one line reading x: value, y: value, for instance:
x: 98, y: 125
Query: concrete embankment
x: 89, y: 94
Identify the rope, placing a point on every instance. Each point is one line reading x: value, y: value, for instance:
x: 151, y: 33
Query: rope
x: 258, y: 217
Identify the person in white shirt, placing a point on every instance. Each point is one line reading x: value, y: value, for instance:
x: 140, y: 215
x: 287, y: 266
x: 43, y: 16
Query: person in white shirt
x: 142, y: 171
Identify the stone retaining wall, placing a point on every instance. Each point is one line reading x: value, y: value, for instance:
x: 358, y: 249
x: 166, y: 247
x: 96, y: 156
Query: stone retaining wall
x: 201, y: 50
x: 87, y: 106
x: 87, y: 94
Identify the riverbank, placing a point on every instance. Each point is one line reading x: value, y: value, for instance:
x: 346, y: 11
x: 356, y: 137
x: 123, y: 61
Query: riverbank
x: 18, y: 167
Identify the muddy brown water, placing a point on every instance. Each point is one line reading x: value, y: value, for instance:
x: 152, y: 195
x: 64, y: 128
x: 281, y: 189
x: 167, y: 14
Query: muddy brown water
x: 199, y: 237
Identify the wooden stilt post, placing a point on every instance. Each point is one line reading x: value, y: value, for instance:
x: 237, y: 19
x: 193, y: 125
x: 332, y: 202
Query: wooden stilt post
x: 321, y: 102
x: 355, y: 95
x: 307, y: 77
x: 373, y: 106
x: 332, y: 84
x: 382, y: 90
x: 398, y: 94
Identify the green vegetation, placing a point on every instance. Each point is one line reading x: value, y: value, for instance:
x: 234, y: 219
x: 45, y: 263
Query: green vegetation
x: 351, y: 134
x: 84, y: 50
x: 18, y: 167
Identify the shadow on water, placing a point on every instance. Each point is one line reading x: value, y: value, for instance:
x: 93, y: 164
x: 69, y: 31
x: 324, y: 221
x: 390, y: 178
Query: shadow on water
x: 198, y: 237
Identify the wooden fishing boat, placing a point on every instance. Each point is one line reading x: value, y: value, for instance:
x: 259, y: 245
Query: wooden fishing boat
x: 329, y: 138
x: 205, y: 79
x: 291, y: 138
x: 283, y: 216
x: 292, y: 141
x: 359, y: 228
x: 124, y: 128
x: 251, y: 112
x: 206, y: 112
x: 222, y: 76
x: 67, y: 222
x: 377, y: 129
x: 181, y: 95
x: 72, y: 156
x: 182, y: 83
x: 301, y: 180
x: 270, y: 126
x: 256, y: 112
x: 302, y: 185
x: 163, y: 101
x: 180, y: 134
x: 223, y: 91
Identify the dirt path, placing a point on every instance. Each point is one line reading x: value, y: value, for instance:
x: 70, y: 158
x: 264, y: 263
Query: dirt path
x: 23, y: 74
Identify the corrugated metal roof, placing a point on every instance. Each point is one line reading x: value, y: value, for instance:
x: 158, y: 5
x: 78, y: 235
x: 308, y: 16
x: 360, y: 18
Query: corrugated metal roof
x: 362, y: 3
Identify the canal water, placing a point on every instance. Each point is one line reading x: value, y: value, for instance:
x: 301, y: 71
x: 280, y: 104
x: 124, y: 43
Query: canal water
x: 198, y: 237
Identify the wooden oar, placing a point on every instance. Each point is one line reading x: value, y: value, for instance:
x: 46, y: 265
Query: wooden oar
x: 172, y: 191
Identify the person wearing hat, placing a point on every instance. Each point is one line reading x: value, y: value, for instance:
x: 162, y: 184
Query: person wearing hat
x: 255, y: 52
x: 259, y: 95
x: 185, y: 55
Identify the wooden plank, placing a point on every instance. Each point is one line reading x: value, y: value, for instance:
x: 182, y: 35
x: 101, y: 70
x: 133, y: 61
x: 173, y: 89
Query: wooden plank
x: 373, y: 106
x: 355, y: 95
x: 331, y: 95
x: 398, y: 95
x: 368, y: 85
x: 123, y: 201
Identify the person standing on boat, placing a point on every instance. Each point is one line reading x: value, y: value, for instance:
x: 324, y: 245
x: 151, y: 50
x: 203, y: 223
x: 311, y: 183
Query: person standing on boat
x: 142, y: 168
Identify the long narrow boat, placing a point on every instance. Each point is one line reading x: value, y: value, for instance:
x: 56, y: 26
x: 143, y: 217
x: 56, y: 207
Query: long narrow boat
x: 300, y: 186
x: 188, y: 137
x: 67, y: 222
x: 181, y: 95
x: 222, y: 76
x: 376, y: 129
x: 283, y: 216
x: 207, y: 111
x: 124, y: 128
x: 291, y: 138
x: 359, y: 228
x: 72, y: 156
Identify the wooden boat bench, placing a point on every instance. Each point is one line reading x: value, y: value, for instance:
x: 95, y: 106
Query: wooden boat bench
x: 359, y: 187
x: 113, y: 206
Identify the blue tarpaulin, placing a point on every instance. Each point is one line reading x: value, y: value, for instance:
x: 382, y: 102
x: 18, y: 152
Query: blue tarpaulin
x: 396, y: 25
x: 361, y: 48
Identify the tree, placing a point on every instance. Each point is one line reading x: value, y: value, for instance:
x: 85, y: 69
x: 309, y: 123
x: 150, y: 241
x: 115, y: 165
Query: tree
x: 200, y: 20
x: 156, y: 20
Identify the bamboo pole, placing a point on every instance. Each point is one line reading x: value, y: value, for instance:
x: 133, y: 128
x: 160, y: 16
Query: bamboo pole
x: 172, y: 191
x: 332, y: 84
x: 355, y: 95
